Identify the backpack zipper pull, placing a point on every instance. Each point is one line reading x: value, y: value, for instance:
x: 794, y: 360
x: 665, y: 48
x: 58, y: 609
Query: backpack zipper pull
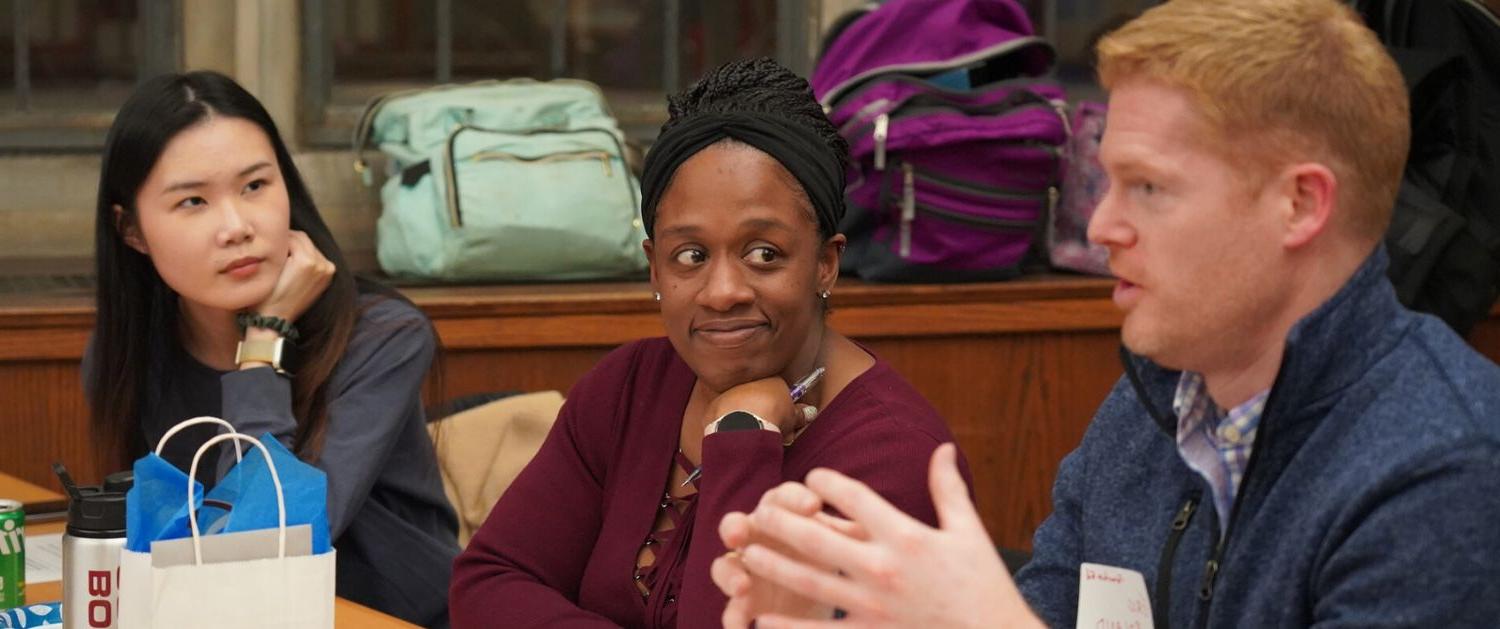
x: 363, y: 168
x: 908, y: 206
x: 1061, y: 107
x: 882, y: 129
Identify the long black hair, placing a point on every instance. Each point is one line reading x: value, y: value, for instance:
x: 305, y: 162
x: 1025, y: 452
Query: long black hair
x: 136, y: 330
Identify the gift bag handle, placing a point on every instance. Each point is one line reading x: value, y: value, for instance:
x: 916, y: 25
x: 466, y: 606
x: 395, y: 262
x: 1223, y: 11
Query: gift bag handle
x: 275, y: 479
x: 160, y: 445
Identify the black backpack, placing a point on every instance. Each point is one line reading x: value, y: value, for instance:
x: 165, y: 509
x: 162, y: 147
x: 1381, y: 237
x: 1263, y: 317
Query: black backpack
x: 1444, y: 238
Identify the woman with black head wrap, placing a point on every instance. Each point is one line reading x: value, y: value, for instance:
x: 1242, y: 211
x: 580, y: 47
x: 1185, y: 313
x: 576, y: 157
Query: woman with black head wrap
x: 615, y: 520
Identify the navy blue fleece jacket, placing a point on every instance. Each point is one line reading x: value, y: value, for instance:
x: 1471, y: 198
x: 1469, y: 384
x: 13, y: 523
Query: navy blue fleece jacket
x: 1372, y: 497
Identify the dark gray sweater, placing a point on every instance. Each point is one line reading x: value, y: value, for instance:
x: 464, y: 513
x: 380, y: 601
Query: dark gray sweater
x: 395, y: 532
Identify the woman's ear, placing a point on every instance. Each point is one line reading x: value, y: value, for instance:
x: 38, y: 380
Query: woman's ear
x: 828, y: 261
x: 129, y: 231
x: 648, y: 247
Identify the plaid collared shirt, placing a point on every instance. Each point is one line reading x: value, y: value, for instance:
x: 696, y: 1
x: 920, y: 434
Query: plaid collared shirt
x: 1215, y: 444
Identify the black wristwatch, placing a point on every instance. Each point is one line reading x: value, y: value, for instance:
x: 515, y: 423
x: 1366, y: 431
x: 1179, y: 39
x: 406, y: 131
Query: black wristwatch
x: 739, y: 420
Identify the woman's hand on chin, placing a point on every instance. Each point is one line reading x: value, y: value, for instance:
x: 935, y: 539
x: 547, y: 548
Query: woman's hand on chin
x: 304, y: 277
x: 768, y: 398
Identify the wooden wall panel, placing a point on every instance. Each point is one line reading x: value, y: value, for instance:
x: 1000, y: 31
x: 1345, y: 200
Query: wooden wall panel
x: 1017, y: 368
x: 469, y: 372
x: 44, y: 418
x: 1016, y: 403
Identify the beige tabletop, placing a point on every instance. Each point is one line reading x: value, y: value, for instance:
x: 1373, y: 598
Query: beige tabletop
x: 34, y: 499
x: 346, y: 614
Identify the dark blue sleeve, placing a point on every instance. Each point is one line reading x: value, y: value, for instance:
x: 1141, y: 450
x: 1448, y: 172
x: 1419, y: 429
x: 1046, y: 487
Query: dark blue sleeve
x: 1424, y: 553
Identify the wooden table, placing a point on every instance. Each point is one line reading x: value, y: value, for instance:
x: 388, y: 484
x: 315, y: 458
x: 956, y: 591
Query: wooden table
x: 33, y: 499
x: 346, y: 614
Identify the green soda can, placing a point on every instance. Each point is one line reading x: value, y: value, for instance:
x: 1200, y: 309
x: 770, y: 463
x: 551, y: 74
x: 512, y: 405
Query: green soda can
x: 12, y: 554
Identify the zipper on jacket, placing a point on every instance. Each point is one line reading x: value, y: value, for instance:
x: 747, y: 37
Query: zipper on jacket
x: 1168, y: 556
x: 1215, y: 564
x: 882, y: 128
x: 908, y: 206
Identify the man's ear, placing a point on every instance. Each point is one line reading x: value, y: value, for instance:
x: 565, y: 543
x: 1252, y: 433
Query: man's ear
x: 129, y: 231
x: 1310, y: 193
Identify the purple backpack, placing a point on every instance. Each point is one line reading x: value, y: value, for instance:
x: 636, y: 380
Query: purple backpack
x: 955, y: 141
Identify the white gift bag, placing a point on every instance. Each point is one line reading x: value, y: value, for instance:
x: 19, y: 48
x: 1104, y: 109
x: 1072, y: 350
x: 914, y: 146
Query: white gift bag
x: 135, y: 567
x: 229, y: 581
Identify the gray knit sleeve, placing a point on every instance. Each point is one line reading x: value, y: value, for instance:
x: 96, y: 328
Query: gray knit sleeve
x: 373, y: 394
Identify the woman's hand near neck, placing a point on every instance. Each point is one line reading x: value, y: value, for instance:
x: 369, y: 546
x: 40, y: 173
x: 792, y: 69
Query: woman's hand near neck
x: 770, y: 397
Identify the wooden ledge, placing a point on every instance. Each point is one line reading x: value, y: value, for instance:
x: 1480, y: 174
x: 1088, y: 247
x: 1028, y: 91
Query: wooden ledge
x: 56, y: 325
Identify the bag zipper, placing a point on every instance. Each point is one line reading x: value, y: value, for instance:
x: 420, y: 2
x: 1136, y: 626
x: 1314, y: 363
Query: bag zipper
x: 928, y: 87
x: 930, y: 66
x: 366, y: 124
x: 860, y: 117
x: 455, y: 217
x: 883, y: 124
x: 905, y: 110
x: 871, y: 108
x: 979, y: 191
x: 908, y: 207
x: 977, y: 221
x: 570, y: 156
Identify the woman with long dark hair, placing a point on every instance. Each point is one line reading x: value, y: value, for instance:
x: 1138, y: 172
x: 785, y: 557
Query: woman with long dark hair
x: 222, y: 292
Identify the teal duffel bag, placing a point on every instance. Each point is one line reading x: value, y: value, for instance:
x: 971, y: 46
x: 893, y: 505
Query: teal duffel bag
x: 503, y: 181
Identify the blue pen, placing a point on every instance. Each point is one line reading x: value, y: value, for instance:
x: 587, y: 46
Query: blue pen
x: 798, y: 390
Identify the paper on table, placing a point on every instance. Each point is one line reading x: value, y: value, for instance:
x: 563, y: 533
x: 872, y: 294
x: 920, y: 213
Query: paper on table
x: 43, y: 558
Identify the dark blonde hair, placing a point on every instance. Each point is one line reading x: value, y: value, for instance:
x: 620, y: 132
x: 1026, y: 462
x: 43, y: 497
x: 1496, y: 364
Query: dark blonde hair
x: 1280, y: 81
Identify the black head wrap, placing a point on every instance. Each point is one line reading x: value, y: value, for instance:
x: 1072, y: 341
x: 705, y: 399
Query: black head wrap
x: 798, y: 149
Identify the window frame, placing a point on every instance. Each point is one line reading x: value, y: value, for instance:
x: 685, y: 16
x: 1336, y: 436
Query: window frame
x: 325, y: 126
x: 160, y: 43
